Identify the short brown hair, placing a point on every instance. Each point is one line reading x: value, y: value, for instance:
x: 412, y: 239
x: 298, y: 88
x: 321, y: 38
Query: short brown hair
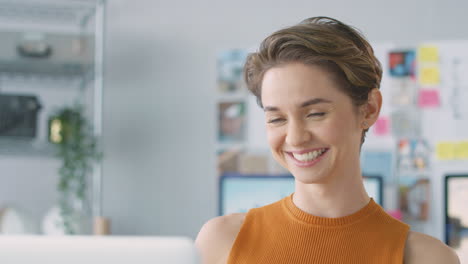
x: 326, y: 42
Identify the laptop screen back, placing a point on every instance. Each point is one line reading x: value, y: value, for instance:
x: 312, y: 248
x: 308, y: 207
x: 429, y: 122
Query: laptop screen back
x: 96, y: 250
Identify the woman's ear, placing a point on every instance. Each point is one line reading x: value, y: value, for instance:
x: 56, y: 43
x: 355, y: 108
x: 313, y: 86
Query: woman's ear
x: 371, y: 110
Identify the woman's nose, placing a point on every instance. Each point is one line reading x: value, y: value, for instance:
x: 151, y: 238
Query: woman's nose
x: 297, y: 134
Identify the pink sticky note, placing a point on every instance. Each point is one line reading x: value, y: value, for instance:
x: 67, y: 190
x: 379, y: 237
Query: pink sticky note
x: 428, y: 98
x: 396, y: 214
x: 382, y: 126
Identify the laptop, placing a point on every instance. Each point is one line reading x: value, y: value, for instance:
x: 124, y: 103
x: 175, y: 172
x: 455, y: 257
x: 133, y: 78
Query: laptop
x: 97, y: 250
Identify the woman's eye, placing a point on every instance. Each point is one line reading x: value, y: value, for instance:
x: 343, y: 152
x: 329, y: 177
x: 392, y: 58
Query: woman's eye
x: 315, y: 114
x: 277, y: 120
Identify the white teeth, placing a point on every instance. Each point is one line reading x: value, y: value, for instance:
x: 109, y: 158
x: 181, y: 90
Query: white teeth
x: 309, y: 155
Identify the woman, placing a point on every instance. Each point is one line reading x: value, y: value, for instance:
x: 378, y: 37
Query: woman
x: 318, y: 84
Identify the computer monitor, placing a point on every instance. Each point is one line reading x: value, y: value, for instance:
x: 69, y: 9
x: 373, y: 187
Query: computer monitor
x: 239, y: 193
x: 96, y: 250
x: 456, y: 214
x: 374, y: 187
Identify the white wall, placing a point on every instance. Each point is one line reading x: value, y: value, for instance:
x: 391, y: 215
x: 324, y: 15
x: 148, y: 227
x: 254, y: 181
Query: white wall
x: 159, y: 119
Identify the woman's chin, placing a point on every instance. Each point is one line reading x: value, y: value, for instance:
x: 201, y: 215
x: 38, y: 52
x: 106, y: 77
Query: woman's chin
x: 309, y: 179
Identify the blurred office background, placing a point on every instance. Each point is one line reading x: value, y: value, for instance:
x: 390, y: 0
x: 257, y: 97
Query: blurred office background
x: 161, y: 102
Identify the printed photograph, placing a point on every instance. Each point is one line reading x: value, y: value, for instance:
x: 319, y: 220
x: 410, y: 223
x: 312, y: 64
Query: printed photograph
x: 402, y: 63
x: 230, y: 67
x: 232, y: 120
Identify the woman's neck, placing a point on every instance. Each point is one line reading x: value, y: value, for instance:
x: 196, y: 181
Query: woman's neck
x: 339, y: 197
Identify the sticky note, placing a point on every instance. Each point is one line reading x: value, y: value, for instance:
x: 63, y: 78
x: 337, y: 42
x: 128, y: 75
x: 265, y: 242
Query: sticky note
x: 461, y: 150
x: 428, y: 54
x: 397, y: 214
x: 428, y: 98
x: 445, y: 150
x: 429, y: 75
x: 382, y: 126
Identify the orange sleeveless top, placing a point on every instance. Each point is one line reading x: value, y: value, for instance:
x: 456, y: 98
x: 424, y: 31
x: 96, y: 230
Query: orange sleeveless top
x: 282, y: 233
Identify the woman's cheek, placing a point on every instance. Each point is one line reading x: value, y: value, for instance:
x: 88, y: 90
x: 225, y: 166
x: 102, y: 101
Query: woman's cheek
x: 273, y: 138
x: 340, y: 132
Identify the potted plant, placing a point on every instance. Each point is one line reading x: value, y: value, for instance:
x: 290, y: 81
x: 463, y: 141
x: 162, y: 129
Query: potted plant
x: 77, y: 148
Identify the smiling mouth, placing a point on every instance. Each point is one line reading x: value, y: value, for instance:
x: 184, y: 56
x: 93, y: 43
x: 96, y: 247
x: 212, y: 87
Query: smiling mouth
x: 308, y: 156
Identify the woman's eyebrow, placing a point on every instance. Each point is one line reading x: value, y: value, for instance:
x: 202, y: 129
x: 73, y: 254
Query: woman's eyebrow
x: 315, y: 101
x: 304, y: 104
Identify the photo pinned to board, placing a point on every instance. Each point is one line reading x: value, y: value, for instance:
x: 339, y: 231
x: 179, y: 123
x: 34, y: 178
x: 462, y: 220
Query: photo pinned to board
x: 414, y: 198
x: 232, y: 119
x: 402, y: 63
x: 413, y: 155
x: 403, y: 92
x: 402, y: 69
x: 230, y: 65
x: 406, y: 122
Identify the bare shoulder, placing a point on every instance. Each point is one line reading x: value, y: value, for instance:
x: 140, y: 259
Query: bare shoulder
x: 216, y: 237
x: 421, y: 248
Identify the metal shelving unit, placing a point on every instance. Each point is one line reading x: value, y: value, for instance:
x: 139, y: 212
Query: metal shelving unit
x: 72, y: 13
x: 18, y: 148
x: 72, y: 17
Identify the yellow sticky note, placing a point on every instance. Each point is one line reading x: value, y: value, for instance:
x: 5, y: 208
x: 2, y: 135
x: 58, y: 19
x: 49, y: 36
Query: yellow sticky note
x: 461, y: 150
x: 429, y: 75
x: 429, y: 54
x: 445, y: 150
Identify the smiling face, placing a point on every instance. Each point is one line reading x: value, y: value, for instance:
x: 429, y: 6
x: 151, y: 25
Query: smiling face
x: 313, y: 129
